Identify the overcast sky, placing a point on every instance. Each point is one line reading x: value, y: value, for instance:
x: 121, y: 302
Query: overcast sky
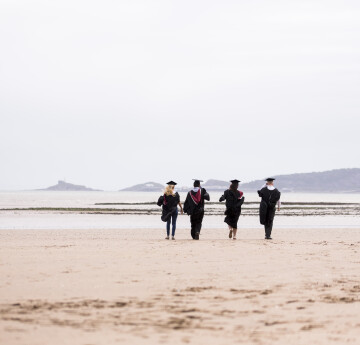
x: 113, y: 93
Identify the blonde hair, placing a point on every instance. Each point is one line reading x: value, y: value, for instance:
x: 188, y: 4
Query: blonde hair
x: 169, y: 190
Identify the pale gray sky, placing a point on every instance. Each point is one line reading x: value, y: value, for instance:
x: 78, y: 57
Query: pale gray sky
x: 113, y: 93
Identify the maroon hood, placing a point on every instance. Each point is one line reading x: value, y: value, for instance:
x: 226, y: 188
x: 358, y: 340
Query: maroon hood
x: 197, y: 197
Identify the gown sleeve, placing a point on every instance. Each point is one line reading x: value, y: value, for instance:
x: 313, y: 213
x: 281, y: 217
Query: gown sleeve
x: 260, y: 191
x: 187, y: 205
x: 160, y: 201
x: 278, y: 196
x: 224, y: 196
x: 206, y: 195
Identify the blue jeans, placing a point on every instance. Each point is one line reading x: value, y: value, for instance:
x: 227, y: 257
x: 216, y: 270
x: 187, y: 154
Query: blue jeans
x: 173, y: 220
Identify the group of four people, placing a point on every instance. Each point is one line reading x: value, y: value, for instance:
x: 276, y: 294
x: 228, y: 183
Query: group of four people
x: 194, y: 206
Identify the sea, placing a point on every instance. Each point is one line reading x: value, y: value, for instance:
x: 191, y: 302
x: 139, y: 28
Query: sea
x: 16, y: 213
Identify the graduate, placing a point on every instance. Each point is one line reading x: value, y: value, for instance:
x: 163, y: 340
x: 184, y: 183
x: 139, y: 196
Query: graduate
x: 169, y: 202
x: 270, y: 197
x: 194, y: 207
x: 234, y: 200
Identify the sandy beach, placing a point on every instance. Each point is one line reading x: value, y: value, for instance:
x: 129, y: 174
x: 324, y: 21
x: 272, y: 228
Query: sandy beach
x: 117, y: 115
x: 131, y: 286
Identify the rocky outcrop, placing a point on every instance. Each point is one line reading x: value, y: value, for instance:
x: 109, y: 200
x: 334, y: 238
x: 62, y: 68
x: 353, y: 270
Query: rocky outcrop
x: 64, y: 186
x: 145, y: 187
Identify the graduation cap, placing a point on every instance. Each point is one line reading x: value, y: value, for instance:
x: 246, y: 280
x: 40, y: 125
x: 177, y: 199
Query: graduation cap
x: 171, y: 183
x: 196, y: 180
x: 270, y: 179
x: 235, y: 181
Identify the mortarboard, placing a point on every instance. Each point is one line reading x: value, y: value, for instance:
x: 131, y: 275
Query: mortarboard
x: 171, y: 183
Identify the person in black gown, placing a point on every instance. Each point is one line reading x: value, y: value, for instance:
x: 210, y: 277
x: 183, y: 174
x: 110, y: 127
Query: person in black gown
x: 270, y: 197
x: 194, y: 207
x: 234, y: 200
x: 169, y: 202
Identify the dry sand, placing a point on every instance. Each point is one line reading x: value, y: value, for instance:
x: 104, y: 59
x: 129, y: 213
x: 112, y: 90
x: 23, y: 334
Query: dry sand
x: 133, y: 287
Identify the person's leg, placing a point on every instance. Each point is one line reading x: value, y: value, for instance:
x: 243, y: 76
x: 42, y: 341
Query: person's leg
x: 199, y: 220
x: 266, y: 230
x: 197, y: 229
x: 234, y: 233
x: 192, y: 222
x: 270, y: 226
x: 230, y: 231
x: 168, y: 229
x: 266, y: 224
x: 236, y: 219
x: 269, y: 223
x: 174, y: 217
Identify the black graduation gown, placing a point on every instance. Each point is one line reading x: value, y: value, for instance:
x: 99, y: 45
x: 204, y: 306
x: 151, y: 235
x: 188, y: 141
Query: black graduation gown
x: 234, y: 201
x: 190, y: 207
x: 269, y: 198
x: 196, y: 211
x: 169, y: 204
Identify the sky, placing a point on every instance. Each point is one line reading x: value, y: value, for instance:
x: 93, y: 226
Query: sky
x: 112, y: 93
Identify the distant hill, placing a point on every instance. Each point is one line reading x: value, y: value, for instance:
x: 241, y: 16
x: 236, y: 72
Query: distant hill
x: 145, y: 187
x: 216, y: 185
x: 64, y: 186
x: 340, y: 181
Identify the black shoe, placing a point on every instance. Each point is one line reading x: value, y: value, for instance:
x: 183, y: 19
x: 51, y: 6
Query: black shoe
x: 197, y: 236
x: 268, y: 238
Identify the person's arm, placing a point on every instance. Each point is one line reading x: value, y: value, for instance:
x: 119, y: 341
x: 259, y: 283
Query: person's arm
x: 240, y: 201
x: 181, y: 209
x: 206, y: 195
x: 222, y: 198
x: 279, y: 204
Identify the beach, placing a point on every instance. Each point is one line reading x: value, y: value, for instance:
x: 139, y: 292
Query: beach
x: 231, y: 119
x: 109, y: 286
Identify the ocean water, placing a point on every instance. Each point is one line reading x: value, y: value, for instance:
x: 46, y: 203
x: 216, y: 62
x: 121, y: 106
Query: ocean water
x: 89, y: 199
x: 58, y: 220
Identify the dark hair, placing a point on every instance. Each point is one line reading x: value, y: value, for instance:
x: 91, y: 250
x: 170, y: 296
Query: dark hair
x: 196, y: 183
x: 234, y: 186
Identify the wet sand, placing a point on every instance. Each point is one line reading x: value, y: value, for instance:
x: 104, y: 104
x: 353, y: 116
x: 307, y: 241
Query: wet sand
x: 131, y: 286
